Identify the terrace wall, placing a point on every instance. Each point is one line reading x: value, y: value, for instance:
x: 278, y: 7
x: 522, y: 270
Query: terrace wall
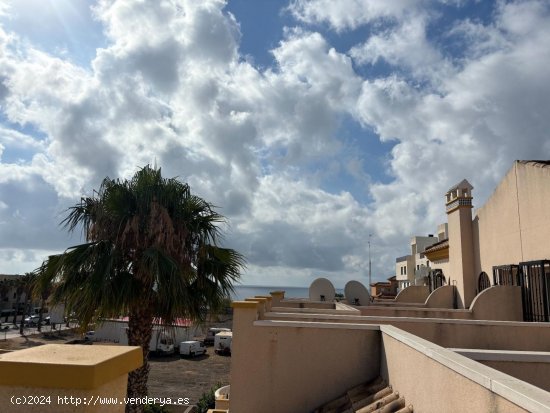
x: 291, y: 367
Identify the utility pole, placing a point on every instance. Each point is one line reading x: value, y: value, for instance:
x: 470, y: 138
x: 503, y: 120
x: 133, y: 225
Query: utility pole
x: 370, y: 265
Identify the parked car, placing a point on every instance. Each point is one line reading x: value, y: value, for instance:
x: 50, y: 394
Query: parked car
x: 192, y: 348
x: 89, y: 336
x: 32, y: 320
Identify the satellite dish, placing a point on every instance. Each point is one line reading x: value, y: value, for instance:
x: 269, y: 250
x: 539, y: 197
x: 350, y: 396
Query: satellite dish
x: 356, y: 293
x: 321, y: 290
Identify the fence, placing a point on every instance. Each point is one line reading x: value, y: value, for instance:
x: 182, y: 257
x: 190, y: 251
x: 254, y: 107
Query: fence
x: 534, y: 279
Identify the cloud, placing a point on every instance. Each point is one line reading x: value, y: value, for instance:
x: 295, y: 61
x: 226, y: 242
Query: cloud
x: 349, y: 14
x: 169, y: 85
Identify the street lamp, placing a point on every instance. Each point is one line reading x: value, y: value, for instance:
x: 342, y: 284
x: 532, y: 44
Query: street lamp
x: 370, y: 265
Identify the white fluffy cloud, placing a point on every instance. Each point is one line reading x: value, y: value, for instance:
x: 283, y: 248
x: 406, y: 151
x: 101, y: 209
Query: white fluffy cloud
x: 170, y: 86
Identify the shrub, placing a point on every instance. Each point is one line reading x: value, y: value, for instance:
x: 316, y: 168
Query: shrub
x: 208, y: 400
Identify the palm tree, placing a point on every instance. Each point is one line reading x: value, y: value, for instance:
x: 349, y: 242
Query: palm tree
x: 151, y: 252
x: 5, y: 288
x: 25, y: 285
x: 43, y: 295
x: 19, y: 290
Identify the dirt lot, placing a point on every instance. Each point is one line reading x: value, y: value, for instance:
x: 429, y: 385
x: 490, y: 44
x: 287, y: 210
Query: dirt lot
x: 170, y: 376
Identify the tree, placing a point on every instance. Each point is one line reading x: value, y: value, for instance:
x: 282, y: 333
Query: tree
x: 43, y: 295
x: 24, y: 289
x: 5, y: 289
x: 19, y: 290
x: 151, y: 251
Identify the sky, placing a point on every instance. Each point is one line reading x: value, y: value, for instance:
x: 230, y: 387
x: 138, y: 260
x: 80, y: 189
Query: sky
x: 314, y: 125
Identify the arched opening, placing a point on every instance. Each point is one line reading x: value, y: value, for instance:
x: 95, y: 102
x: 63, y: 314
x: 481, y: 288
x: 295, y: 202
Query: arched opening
x: 436, y: 279
x: 483, y: 282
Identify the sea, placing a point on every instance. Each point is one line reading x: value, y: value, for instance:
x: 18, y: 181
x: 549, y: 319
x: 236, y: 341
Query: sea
x: 245, y: 291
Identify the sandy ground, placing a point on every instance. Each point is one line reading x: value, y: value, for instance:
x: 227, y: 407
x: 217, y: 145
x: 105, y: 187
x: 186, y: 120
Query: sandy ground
x: 169, y: 376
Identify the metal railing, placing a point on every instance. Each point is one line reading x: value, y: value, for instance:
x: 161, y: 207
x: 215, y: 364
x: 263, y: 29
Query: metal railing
x: 534, y: 279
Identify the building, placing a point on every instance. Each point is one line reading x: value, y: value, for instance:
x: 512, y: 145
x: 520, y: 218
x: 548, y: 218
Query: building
x: 8, y: 292
x: 385, y: 289
x: 412, y: 269
x: 503, y: 238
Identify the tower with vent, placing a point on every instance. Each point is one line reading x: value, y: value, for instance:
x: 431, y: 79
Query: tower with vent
x: 461, y: 252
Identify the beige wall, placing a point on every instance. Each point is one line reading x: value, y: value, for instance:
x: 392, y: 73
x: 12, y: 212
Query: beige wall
x: 537, y: 374
x: 306, y: 304
x: 413, y: 294
x: 521, y: 202
x: 441, y: 297
x: 431, y: 386
x: 418, y: 312
x: 502, y: 302
x: 530, y: 367
x: 451, y: 333
x: 461, y: 256
x: 442, y: 265
x: 297, y: 368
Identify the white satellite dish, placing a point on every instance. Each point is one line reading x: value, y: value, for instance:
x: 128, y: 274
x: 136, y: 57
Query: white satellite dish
x: 356, y: 293
x: 321, y: 290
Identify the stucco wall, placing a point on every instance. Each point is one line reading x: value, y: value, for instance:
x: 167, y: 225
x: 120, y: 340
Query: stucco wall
x: 457, y: 333
x: 292, y: 369
x: 441, y: 297
x: 537, y: 374
x: 501, y: 302
x: 513, y: 224
x: 431, y: 386
x: 529, y: 366
x: 461, y: 256
x: 418, y: 312
x: 413, y: 294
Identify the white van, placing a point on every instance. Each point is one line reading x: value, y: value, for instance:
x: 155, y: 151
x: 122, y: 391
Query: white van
x: 192, y: 348
x: 209, y: 339
x: 222, y: 342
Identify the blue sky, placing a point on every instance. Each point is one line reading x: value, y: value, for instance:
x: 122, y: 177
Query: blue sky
x: 311, y: 123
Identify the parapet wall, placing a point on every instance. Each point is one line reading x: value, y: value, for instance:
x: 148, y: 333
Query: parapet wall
x: 434, y: 379
x: 290, y: 362
x: 500, y: 302
x: 293, y: 367
x: 485, y: 334
x: 413, y: 294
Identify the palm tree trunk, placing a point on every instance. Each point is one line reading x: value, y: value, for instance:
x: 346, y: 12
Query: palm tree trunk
x: 17, y: 299
x: 40, y: 315
x: 22, y: 324
x: 140, y: 328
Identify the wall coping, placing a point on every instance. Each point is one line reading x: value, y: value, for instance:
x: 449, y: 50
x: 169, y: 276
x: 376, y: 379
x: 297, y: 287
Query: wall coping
x: 415, y: 307
x: 504, y: 355
x: 306, y: 310
x: 316, y: 324
x: 267, y: 297
x: 68, y: 366
x: 244, y: 304
x: 259, y: 299
x: 516, y: 391
x: 375, y: 319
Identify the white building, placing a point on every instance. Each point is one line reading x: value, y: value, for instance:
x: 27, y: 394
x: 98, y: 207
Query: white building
x: 413, y: 268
